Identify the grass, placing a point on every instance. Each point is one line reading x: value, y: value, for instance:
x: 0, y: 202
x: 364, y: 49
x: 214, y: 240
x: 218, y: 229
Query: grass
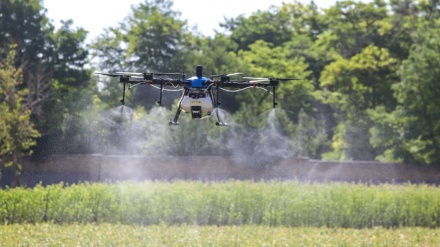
x: 190, y: 235
x: 230, y: 203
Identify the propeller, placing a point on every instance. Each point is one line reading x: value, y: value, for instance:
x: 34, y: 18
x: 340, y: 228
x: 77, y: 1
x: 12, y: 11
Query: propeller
x: 225, y: 78
x: 139, y: 73
x: 255, y: 78
x: 286, y: 79
x: 237, y: 73
x: 120, y: 74
x: 108, y: 74
x: 262, y: 80
x: 271, y: 79
x: 128, y: 73
x: 159, y: 74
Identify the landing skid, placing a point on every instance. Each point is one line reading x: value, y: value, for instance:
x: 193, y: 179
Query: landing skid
x: 219, y: 119
x: 221, y: 124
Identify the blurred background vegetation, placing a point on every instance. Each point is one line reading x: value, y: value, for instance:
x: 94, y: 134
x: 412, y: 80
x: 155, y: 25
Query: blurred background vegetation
x: 372, y: 80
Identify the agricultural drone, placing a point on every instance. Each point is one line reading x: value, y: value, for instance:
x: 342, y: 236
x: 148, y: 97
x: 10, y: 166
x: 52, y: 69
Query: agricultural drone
x: 200, y: 94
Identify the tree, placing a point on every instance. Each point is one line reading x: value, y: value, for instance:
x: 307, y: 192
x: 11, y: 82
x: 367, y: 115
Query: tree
x: 23, y: 22
x: 398, y: 29
x: 352, y: 26
x: 415, y: 122
x: 278, y: 43
x: 52, y: 63
x: 151, y: 38
x: 275, y: 26
x: 69, y: 92
x: 265, y: 60
x: 272, y: 26
x: 352, y: 87
x: 295, y: 97
x: 17, y: 133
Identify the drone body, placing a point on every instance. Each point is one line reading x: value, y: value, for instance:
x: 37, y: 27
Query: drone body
x: 200, y: 94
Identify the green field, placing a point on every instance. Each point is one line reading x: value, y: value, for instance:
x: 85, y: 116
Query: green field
x: 161, y: 235
x: 275, y: 203
x: 229, y: 213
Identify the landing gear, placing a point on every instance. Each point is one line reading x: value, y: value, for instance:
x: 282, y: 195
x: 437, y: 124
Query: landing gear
x: 221, y: 124
x: 216, y: 103
x: 219, y: 119
x: 176, y: 117
x: 179, y: 109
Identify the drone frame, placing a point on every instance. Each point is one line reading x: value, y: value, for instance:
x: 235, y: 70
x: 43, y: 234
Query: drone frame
x: 224, y: 81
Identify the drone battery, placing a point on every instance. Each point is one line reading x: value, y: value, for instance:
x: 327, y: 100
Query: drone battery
x: 196, y: 111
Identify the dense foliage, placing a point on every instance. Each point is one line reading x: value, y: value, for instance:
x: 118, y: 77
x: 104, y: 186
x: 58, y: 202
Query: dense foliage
x: 225, y: 203
x: 17, y: 132
x: 369, y: 92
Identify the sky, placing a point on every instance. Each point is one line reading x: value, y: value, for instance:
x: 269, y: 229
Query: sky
x: 95, y: 15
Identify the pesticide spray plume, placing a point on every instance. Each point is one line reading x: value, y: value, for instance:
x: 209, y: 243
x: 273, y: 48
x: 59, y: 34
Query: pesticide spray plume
x: 125, y: 131
x: 260, y: 147
x: 133, y: 139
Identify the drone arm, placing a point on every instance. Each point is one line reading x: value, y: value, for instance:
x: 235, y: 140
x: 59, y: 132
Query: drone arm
x: 256, y: 83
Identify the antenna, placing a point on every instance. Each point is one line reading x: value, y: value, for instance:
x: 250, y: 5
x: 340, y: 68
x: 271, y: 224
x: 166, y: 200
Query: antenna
x: 199, y: 71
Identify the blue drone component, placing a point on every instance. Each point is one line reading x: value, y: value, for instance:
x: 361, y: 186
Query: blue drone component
x: 198, y: 82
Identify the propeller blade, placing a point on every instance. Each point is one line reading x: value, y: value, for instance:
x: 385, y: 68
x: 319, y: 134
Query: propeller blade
x: 107, y: 74
x: 277, y: 79
x: 165, y: 78
x: 160, y: 74
x: 139, y: 73
x: 255, y: 78
x: 263, y: 80
x: 128, y: 73
x: 236, y: 73
x: 286, y: 79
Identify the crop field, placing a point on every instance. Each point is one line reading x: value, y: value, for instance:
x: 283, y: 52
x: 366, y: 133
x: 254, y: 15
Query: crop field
x: 191, y: 235
x: 229, y: 213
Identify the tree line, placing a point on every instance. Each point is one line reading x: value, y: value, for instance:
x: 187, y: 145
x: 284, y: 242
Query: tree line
x: 370, y: 89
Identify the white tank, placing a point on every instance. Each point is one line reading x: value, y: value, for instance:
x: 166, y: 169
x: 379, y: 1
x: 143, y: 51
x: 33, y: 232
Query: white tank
x: 199, y: 104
